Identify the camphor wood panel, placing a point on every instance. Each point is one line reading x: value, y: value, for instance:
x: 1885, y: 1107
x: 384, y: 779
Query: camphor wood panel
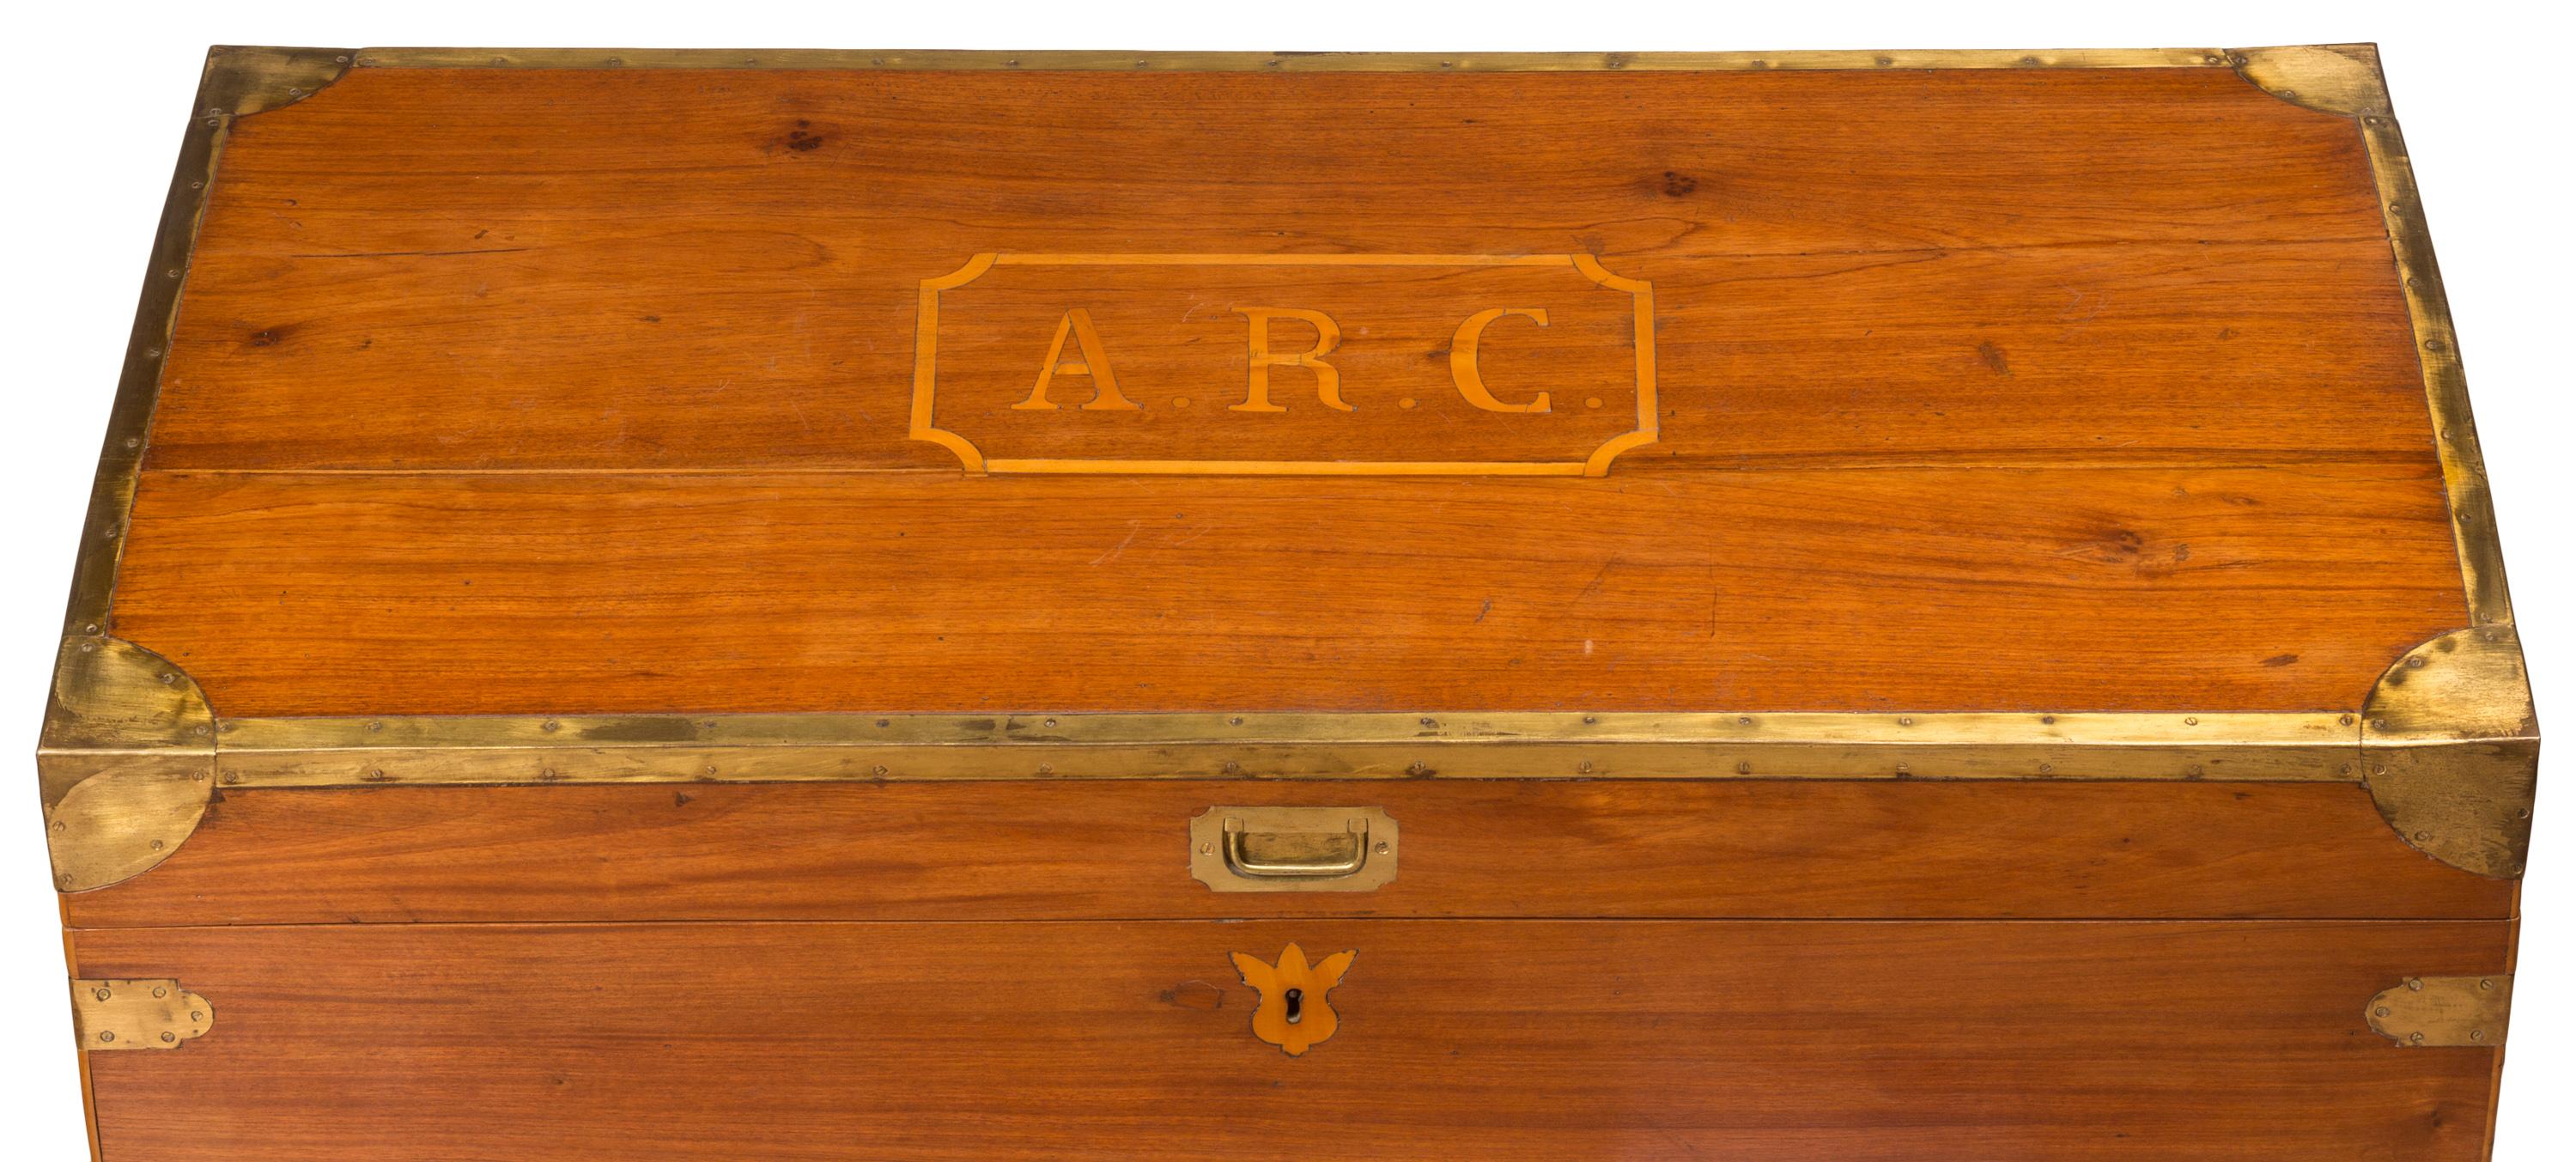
x: 548, y: 391
x: 1069, y: 851
x: 718, y: 269
x: 2037, y: 589
x: 1518, y: 1040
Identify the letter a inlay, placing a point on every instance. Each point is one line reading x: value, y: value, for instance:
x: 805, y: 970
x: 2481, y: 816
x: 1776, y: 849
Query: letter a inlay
x: 1094, y: 363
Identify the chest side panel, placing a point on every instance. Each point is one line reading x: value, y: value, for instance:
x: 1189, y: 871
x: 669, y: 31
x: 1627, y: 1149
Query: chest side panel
x: 1534, y: 1040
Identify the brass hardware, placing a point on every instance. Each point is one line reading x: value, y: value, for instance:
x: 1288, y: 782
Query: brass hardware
x: 2450, y: 744
x: 2446, y: 384
x: 1293, y: 849
x: 2450, y: 750
x: 502, y: 750
x: 244, y: 79
x: 2329, y: 78
x: 2425, y: 1012
x: 237, y: 82
x: 1290, y: 856
x: 126, y: 763
x: 1294, y: 1012
x: 1348, y: 62
x: 127, y: 758
x: 114, y: 1015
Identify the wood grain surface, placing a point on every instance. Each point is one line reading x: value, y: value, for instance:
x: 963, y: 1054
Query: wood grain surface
x: 1542, y: 1040
x: 2034, y: 589
x: 548, y: 391
x: 1066, y: 851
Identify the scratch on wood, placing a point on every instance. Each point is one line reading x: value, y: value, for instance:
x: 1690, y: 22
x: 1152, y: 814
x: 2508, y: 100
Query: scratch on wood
x: 417, y: 253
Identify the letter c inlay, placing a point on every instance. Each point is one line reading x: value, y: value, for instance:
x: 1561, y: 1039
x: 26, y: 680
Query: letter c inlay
x: 1462, y: 360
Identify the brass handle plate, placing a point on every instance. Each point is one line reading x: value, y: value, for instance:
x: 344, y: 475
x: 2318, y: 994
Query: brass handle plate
x: 1293, y: 849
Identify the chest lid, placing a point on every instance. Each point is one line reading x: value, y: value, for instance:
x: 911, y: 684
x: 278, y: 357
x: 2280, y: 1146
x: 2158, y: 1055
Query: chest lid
x: 586, y: 415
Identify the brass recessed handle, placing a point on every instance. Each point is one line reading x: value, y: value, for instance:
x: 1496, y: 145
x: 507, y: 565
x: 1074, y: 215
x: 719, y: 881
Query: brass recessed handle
x: 1297, y: 856
x: 1293, y: 849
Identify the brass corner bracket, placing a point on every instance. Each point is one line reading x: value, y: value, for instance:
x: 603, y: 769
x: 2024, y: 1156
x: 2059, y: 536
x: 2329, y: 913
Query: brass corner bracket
x: 113, y: 1015
x: 2450, y: 748
x: 126, y: 766
x: 245, y: 79
x: 2342, y: 79
x: 2429, y: 1012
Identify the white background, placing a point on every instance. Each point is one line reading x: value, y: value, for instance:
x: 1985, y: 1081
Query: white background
x: 99, y: 93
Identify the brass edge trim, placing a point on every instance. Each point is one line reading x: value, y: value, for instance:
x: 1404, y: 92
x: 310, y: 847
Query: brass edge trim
x: 2343, y: 79
x: 2450, y: 747
x: 237, y: 82
x: 2446, y: 385
x: 330, y: 752
x: 2427, y: 1012
x: 120, y: 1015
x: 1091, y: 60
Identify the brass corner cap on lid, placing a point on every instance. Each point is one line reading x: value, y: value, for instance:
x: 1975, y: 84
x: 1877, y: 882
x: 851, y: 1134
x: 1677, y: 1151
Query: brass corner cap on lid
x: 2343, y: 79
x: 2451, y: 749
x: 126, y: 764
x: 245, y: 79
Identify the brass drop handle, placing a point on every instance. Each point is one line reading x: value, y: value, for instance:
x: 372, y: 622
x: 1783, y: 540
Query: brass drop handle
x: 1294, y: 849
x: 1298, y: 856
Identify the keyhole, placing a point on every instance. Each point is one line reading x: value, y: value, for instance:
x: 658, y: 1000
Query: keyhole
x: 1296, y: 999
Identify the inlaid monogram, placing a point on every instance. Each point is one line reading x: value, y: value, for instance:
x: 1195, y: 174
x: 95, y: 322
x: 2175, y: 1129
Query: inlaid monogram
x: 1368, y: 364
x: 1293, y: 1013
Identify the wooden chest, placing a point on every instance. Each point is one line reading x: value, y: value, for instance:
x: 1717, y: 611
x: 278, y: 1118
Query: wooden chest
x: 844, y: 605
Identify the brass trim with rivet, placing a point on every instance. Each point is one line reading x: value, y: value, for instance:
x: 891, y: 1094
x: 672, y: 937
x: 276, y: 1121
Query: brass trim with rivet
x: 118, y: 1015
x: 2446, y: 385
x: 1102, y: 60
x: 238, y: 82
x: 2459, y: 1012
x: 256, y: 753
